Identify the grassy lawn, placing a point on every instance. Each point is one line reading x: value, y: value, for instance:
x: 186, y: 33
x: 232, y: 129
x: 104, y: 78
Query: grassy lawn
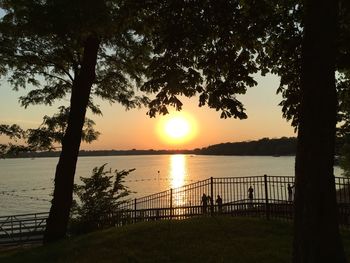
x: 218, y: 239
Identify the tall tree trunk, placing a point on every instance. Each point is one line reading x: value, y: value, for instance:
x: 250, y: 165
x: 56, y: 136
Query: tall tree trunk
x: 64, y: 177
x: 316, y: 236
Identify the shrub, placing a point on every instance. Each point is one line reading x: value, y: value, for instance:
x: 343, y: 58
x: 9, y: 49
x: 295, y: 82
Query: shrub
x: 98, y: 199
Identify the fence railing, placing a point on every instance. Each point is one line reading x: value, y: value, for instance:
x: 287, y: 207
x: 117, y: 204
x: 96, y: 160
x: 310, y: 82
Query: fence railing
x: 264, y: 196
x: 271, y: 197
x: 22, y: 228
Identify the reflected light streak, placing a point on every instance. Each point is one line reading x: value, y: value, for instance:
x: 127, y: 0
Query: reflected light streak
x: 177, y: 174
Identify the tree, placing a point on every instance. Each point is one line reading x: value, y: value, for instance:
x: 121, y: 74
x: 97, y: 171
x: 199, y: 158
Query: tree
x: 343, y: 132
x: 300, y: 36
x: 316, y: 235
x: 85, y: 48
x: 344, y: 161
x: 46, y: 137
x: 99, y: 198
x: 306, y: 52
x: 101, y: 48
x: 207, y: 48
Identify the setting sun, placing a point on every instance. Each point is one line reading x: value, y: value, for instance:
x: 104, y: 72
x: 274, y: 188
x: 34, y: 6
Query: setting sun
x: 177, y: 128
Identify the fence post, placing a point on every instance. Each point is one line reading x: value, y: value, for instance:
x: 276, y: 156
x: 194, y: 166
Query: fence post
x: 171, y: 203
x: 135, y: 202
x: 267, y: 207
x: 20, y: 231
x: 211, y: 197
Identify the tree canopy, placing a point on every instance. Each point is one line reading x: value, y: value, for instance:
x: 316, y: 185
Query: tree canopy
x: 105, y: 49
x: 209, y: 48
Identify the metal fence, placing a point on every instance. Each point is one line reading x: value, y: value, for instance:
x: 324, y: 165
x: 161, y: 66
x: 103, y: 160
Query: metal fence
x: 26, y: 228
x: 264, y: 196
x: 271, y: 197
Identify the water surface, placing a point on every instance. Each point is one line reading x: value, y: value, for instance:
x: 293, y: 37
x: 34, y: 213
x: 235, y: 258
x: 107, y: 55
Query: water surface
x: 26, y: 184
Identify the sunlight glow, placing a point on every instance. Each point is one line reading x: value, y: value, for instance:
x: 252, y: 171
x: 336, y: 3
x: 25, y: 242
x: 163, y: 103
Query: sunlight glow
x: 177, y: 128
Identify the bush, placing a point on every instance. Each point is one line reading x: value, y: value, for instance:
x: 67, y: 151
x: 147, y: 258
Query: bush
x: 98, y: 199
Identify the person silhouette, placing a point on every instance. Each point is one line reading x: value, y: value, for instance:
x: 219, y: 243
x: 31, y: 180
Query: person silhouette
x: 219, y: 202
x: 251, y: 193
x: 250, y: 196
x: 204, y: 203
x: 290, y: 192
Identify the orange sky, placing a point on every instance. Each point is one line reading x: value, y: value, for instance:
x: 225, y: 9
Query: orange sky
x: 122, y: 129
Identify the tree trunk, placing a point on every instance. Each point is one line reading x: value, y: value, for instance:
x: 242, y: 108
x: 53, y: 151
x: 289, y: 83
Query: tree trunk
x: 316, y: 233
x: 64, y: 177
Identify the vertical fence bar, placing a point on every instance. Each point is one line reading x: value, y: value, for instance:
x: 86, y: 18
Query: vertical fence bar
x: 266, y: 198
x: 211, y: 197
x: 20, y: 231
x: 171, y: 203
x: 135, y: 208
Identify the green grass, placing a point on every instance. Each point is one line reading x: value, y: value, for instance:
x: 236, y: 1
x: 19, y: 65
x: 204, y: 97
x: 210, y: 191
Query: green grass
x: 218, y: 239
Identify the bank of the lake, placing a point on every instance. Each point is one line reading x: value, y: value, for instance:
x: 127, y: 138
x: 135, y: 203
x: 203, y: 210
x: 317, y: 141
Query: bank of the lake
x: 203, y: 239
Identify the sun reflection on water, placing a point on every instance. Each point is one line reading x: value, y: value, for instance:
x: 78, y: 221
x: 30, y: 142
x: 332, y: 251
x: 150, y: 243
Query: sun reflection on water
x: 177, y: 170
x: 178, y: 174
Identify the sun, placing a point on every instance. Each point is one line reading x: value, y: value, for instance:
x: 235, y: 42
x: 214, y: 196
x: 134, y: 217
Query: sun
x: 177, y: 128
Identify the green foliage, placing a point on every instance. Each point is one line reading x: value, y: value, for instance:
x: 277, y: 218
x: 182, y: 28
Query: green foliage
x: 265, y: 146
x: 283, y: 55
x: 12, y: 131
x: 41, y: 49
x: 99, y: 197
x: 46, y: 137
x: 42, y: 43
x: 344, y: 158
x: 208, y: 49
x: 205, y: 49
x: 191, y: 48
x: 15, y: 133
x: 344, y: 116
x: 53, y: 128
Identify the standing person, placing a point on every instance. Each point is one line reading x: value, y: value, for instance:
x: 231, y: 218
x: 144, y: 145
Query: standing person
x: 219, y: 202
x: 290, y: 192
x: 204, y: 202
x: 251, y: 193
x: 250, y: 196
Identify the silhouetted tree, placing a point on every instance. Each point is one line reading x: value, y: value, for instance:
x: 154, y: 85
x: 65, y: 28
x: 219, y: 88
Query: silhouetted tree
x: 306, y: 51
x: 316, y: 235
x: 99, y: 198
x: 343, y: 132
x: 208, y: 48
x: 294, y: 39
x: 46, y: 137
x: 100, y: 48
x: 282, y: 146
x: 85, y: 48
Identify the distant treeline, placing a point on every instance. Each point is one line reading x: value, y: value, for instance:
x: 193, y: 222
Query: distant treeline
x: 102, y: 153
x: 265, y: 146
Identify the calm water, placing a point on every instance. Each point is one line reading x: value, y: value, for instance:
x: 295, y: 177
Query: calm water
x: 22, y: 180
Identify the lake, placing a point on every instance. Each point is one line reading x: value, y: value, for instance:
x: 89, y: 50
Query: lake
x: 26, y: 184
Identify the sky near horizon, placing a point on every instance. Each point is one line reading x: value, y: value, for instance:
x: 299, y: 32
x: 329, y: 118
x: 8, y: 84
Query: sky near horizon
x: 131, y: 129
